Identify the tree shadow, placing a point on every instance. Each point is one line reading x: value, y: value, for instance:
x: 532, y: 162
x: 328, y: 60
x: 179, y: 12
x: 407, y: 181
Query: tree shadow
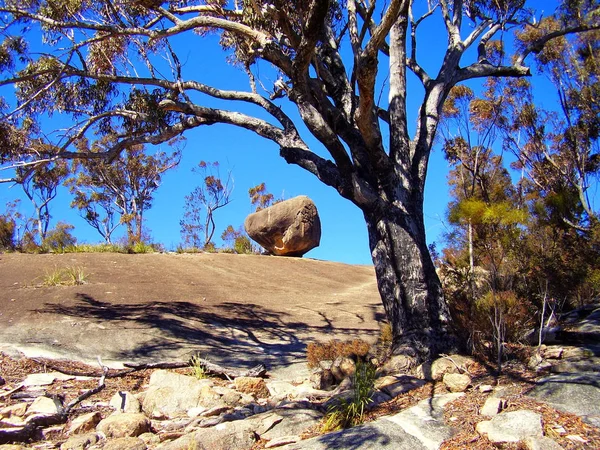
x: 237, y: 334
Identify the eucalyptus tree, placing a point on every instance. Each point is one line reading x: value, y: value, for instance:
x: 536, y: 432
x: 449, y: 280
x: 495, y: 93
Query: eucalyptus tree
x: 116, y: 66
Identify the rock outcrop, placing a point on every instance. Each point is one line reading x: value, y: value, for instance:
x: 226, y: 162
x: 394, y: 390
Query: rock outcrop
x: 288, y: 228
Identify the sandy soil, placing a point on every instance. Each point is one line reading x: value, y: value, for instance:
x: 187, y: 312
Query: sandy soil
x: 233, y: 309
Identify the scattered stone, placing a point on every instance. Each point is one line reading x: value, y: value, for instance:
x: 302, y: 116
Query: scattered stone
x: 342, y: 368
x: 16, y: 410
x: 492, y: 406
x: 124, y: 425
x: 541, y: 443
x: 513, y: 426
x: 195, y: 412
x: 457, y: 382
x: 425, y: 421
x: 282, y: 441
x: 252, y: 385
x: 44, y: 406
x: 484, y: 388
x: 398, y: 364
x: 171, y: 395
x: 80, y: 442
x: 150, y: 439
x: 576, y: 438
x: 448, y: 364
x: 125, y: 402
x: 396, y: 385
x: 288, y: 228
x: 125, y: 443
x: 85, y: 423
x: 45, y: 379
x: 321, y: 379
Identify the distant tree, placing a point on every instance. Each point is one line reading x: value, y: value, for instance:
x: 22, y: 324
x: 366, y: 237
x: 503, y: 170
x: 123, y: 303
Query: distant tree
x: 40, y: 184
x: 60, y: 238
x: 109, y: 194
x: 198, y: 223
x: 260, y: 197
x: 237, y: 240
x: 329, y: 61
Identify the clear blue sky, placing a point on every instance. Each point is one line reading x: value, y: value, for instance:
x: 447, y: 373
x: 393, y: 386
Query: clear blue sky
x: 253, y: 160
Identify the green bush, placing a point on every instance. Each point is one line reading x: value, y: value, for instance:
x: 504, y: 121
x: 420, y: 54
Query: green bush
x: 7, y: 233
x: 350, y: 412
x: 60, y: 238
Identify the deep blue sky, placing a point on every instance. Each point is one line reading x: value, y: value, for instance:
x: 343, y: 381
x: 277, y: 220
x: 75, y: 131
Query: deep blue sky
x: 253, y: 160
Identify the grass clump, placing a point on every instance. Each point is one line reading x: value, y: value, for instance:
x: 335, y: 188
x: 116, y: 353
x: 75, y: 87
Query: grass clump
x: 67, y: 276
x: 323, y: 351
x: 198, y: 368
x: 350, y: 412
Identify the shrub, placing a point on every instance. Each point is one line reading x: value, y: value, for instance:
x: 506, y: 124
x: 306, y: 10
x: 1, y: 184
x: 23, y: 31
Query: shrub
x: 316, y: 352
x: 350, y: 412
x: 198, y: 367
x: 59, y: 238
x: 7, y: 233
x: 69, y: 276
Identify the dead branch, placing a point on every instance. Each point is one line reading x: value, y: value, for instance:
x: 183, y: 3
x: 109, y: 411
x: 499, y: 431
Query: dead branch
x: 32, y: 426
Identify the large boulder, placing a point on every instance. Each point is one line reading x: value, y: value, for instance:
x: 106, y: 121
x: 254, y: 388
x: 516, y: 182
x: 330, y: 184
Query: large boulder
x: 288, y: 228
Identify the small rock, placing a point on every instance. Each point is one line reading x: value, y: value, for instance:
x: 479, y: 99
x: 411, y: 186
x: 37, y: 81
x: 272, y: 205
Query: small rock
x: 80, y: 442
x: 12, y: 447
x: 321, y: 379
x: 457, y: 382
x: 486, y: 388
x: 85, y: 423
x: 125, y: 402
x: 16, y: 410
x: 217, y: 410
x: 398, y: 364
x: 124, y: 425
x: 343, y: 367
x: 552, y: 352
x: 45, y: 379
x: 195, y: 412
x: 512, y: 426
x: 2, y: 381
x: 449, y: 364
x: 150, y: 438
x: 125, y: 443
x: 284, y: 440
x: 541, y: 443
x: 252, y: 385
x: 576, y: 438
x: 43, y: 406
x: 396, y: 385
x: 492, y: 406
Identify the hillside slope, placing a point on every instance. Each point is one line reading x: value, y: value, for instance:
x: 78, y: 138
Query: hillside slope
x: 235, y: 309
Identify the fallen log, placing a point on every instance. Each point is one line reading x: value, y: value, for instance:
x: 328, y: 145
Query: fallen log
x: 259, y: 370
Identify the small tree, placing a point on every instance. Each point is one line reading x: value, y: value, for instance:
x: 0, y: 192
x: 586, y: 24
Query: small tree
x: 40, y: 184
x: 60, y: 238
x: 237, y: 240
x: 261, y: 198
x: 198, y: 223
x: 124, y: 189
